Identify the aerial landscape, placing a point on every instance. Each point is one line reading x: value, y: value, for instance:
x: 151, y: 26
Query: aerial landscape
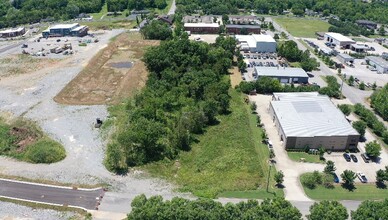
x: 178, y: 109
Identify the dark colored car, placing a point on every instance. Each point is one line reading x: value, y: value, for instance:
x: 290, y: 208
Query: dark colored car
x: 354, y: 158
x: 336, y: 179
x: 365, y: 157
x: 347, y: 157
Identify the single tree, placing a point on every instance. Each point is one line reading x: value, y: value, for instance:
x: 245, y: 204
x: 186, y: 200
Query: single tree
x: 327, y: 210
x: 348, y: 177
x: 279, y: 178
x: 271, y: 154
x: 381, y: 176
x: 253, y: 106
x: 345, y: 109
x: 276, y: 37
x: 360, y: 127
x: 381, y: 30
x: 373, y: 149
x: 351, y: 81
x: 371, y: 210
x: 322, y: 151
x: 330, y: 167
x: 361, y: 86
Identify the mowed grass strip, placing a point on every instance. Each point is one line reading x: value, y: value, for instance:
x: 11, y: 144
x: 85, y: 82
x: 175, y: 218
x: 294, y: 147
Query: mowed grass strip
x: 309, y: 158
x: 228, y: 156
x: 361, y: 192
x: 302, y: 27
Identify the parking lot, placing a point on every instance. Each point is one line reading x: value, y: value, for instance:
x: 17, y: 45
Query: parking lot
x: 359, y: 69
x: 260, y: 60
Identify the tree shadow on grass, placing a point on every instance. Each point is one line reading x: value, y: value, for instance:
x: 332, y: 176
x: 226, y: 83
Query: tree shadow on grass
x: 349, y: 187
x: 381, y: 185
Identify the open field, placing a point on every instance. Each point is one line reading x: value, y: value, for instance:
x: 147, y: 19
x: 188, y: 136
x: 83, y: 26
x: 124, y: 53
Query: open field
x: 114, y: 74
x: 21, y: 64
x: 300, y: 27
x: 361, y: 192
x: 234, y: 161
x: 107, y: 24
x: 309, y: 158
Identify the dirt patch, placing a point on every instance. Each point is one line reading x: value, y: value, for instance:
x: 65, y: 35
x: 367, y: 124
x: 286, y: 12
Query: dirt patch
x: 22, y: 64
x: 235, y: 77
x: 23, y: 138
x: 100, y: 82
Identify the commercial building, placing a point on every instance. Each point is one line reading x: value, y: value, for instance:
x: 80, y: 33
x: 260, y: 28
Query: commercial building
x: 311, y: 120
x: 62, y: 30
x: 338, y: 40
x: 208, y: 19
x: 202, y: 28
x: 12, y: 32
x: 367, y: 24
x: 242, y: 29
x: 379, y: 63
x: 283, y: 74
x: 257, y: 43
x: 242, y: 19
x: 359, y: 48
x: 345, y: 58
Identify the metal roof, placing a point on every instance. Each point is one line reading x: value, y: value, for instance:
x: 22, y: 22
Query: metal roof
x: 339, y: 37
x: 252, y: 40
x: 345, y: 56
x: 280, y: 72
x: 215, y: 25
x: 242, y: 26
x: 310, y: 114
x: 12, y: 30
x: 378, y: 61
x: 64, y: 26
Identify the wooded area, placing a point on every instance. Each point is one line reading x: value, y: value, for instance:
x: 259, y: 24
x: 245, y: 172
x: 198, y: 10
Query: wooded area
x: 379, y: 101
x: 344, y: 9
x: 185, y: 91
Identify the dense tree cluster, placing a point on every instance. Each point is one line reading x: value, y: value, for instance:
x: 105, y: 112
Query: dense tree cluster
x: 17, y: 12
x: 156, y: 30
x: 327, y: 210
x: 346, y: 28
x: 344, y: 9
x: 185, y: 91
x: 267, y: 85
x: 371, y: 210
x: 332, y: 89
x: 154, y: 208
x: 379, y: 100
x: 371, y: 121
x: 290, y: 51
x: 120, y: 5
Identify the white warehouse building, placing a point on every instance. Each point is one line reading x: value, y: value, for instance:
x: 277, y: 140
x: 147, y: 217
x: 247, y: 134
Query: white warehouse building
x: 257, y: 43
x: 339, y: 40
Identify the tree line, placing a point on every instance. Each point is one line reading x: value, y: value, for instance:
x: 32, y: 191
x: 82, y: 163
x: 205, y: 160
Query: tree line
x: 185, y: 91
x: 155, y: 208
x: 120, y: 5
x: 291, y: 52
x: 13, y: 13
x: 346, y: 10
x: 379, y: 101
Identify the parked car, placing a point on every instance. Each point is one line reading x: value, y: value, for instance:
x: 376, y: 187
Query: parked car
x: 365, y: 157
x: 347, y: 157
x: 354, y: 158
x: 362, y: 177
x: 336, y: 179
x: 270, y: 144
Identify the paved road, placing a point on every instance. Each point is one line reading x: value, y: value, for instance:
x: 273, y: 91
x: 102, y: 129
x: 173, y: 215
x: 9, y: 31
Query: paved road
x: 50, y: 194
x: 4, y: 49
x: 172, y: 9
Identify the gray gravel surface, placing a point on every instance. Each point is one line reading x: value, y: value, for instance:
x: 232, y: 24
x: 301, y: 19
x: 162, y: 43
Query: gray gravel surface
x: 31, y: 95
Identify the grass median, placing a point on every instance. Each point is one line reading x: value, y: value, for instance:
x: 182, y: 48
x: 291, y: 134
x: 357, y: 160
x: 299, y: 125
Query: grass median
x: 309, y: 158
x: 228, y: 160
x: 302, y: 27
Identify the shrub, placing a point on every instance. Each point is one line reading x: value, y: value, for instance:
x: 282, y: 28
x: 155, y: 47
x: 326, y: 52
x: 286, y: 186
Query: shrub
x: 45, y: 151
x: 346, y: 109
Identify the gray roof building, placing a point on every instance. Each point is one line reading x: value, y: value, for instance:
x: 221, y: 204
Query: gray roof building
x: 380, y: 64
x: 283, y: 74
x: 311, y: 119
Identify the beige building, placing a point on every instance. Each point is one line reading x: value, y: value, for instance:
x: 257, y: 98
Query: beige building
x: 311, y: 120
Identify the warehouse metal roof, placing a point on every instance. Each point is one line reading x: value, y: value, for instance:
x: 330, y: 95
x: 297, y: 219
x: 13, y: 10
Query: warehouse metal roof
x: 214, y: 25
x: 280, y: 72
x: 339, y: 37
x: 252, y: 40
x: 378, y: 61
x: 242, y: 26
x: 310, y: 114
x: 64, y: 26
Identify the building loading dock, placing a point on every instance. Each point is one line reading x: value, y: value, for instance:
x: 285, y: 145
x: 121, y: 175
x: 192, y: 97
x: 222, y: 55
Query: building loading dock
x: 379, y: 63
x: 311, y: 120
x: 339, y: 40
x: 283, y: 74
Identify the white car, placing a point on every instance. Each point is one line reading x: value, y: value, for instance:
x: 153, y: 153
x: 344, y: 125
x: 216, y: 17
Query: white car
x: 362, y: 177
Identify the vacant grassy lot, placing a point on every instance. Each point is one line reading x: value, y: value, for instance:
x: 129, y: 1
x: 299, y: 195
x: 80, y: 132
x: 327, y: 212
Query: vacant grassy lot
x: 23, y: 140
x: 22, y: 64
x: 114, y: 74
x: 105, y: 24
x: 228, y: 157
x: 301, y: 27
x: 309, y: 158
x: 361, y: 192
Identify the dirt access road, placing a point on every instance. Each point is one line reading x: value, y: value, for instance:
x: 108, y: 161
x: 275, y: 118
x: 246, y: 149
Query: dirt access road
x: 32, y: 95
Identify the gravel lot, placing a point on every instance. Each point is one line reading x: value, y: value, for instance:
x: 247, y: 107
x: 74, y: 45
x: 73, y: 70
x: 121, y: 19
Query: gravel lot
x: 31, y: 95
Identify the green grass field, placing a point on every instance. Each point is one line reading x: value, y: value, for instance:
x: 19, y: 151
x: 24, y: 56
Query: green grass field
x: 301, y: 27
x: 309, y: 158
x: 228, y: 157
x: 103, y: 12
